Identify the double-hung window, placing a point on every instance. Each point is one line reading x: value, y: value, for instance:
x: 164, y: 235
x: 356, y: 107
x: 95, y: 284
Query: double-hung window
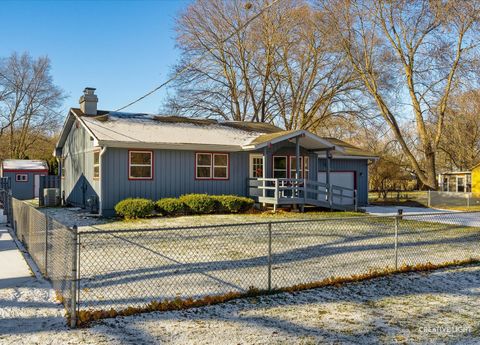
x: 293, y: 167
x: 96, y: 165
x: 211, y: 166
x: 279, y: 166
x: 140, y: 165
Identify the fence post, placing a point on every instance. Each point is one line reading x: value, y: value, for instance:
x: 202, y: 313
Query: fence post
x: 355, y: 200
x: 468, y: 200
x: 397, y: 220
x: 269, y: 256
x: 429, y: 203
x: 73, y: 303
x: 46, y: 244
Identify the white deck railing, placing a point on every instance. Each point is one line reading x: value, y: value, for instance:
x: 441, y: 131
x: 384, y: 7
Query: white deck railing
x: 278, y: 191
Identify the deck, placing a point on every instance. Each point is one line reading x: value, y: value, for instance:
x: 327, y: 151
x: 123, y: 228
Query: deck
x: 301, y: 192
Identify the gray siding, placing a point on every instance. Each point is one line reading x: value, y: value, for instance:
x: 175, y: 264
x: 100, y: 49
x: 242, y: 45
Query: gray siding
x: 22, y: 190
x: 359, y: 166
x: 78, y: 184
x: 174, y: 175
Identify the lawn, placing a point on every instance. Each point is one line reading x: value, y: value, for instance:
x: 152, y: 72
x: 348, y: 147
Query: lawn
x: 120, y: 269
x: 85, y: 221
x: 407, y: 198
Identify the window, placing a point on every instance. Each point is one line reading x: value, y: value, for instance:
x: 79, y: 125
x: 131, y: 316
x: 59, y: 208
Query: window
x: 220, y: 166
x: 460, y: 184
x: 21, y: 177
x: 212, y: 166
x: 256, y: 166
x: 140, y: 165
x: 62, y: 162
x: 279, y: 166
x: 304, y: 162
x: 96, y: 164
x: 306, y: 167
x: 204, y: 166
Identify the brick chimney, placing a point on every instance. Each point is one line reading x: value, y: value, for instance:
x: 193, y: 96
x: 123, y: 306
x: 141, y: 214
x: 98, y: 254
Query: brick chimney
x: 88, y: 101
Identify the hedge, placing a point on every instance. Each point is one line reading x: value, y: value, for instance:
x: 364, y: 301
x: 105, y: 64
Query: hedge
x: 133, y: 208
x: 171, y: 207
x: 199, y: 203
x: 232, y: 203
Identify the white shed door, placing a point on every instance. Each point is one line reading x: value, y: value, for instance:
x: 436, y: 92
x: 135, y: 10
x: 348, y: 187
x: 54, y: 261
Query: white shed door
x: 36, y: 185
x: 344, y: 179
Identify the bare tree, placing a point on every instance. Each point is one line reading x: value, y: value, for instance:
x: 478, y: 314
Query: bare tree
x: 280, y: 68
x: 460, y: 144
x: 28, y: 103
x: 410, y: 56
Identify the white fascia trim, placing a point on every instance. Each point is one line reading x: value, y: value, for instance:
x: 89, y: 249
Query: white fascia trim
x: 170, y: 146
x: 87, y: 128
x: 292, y: 135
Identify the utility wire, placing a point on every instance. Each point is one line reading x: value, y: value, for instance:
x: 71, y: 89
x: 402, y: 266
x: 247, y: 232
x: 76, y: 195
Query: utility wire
x: 194, y: 62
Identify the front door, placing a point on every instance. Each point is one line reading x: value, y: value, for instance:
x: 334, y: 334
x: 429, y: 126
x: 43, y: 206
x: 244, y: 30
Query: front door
x: 255, y: 171
x: 344, y: 179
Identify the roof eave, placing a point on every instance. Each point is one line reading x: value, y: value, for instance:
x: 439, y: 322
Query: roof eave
x: 169, y: 146
x: 289, y: 136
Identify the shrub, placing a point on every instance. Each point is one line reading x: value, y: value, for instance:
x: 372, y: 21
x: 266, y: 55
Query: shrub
x: 133, y: 208
x: 198, y: 203
x: 232, y: 203
x: 171, y: 206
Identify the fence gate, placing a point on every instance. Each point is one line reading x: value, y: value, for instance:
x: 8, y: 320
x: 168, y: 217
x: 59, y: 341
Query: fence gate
x: 5, y: 200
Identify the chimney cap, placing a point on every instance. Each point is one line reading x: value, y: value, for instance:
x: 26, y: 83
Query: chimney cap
x: 89, y: 90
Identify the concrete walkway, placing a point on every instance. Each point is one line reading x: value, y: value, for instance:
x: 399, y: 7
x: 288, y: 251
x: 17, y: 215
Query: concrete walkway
x: 393, y: 210
x: 14, y: 270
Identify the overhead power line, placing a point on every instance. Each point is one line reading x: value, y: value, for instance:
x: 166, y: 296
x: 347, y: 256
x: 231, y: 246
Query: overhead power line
x: 194, y: 62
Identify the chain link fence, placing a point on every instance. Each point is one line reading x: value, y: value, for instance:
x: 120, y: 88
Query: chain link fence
x: 102, y: 269
x: 122, y: 268
x: 452, y: 199
x: 53, y: 248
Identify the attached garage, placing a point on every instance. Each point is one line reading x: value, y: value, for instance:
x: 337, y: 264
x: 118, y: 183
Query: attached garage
x: 346, y: 180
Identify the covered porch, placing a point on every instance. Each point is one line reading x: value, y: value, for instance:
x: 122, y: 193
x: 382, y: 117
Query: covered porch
x: 284, y: 171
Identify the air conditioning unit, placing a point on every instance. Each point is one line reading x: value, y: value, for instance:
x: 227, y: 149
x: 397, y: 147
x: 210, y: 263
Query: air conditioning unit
x: 51, y: 197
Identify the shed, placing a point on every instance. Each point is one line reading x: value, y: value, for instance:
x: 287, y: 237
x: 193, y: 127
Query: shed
x: 24, y: 175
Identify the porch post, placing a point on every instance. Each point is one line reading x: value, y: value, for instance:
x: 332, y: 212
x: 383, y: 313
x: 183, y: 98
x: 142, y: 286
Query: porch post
x: 264, y: 172
x: 297, y: 165
x: 297, y: 157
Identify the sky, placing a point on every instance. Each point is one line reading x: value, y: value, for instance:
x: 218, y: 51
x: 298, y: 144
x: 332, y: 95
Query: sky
x: 122, y: 48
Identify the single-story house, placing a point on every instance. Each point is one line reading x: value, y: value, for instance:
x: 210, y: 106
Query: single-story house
x: 108, y: 156
x: 455, y: 181
x: 24, y: 176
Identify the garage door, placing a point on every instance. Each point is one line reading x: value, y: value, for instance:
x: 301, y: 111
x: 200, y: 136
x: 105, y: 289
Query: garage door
x: 344, y: 179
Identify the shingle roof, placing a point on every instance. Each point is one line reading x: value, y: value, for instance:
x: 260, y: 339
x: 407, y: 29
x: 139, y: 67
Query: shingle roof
x: 349, y: 149
x: 132, y: 128
x: 119, y: 129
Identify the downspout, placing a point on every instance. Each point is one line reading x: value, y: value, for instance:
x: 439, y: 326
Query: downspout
x: 100, y: 209
x: 329, y: 157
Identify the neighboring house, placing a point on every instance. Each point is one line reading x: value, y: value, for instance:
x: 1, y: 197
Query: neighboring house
x: 476, y: 180
x: 24, y: 176
x: 110, y: 156
x: 455, y: 181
